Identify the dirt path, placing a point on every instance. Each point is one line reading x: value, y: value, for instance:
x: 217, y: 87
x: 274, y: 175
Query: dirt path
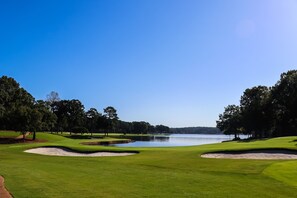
x: 21, y: 136
x: 3, y: 192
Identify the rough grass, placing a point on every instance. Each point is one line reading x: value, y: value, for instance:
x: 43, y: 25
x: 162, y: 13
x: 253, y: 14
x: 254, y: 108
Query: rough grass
x: 154, y: 172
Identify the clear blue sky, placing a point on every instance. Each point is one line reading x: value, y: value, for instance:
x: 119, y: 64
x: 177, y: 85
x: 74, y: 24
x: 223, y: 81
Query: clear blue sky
x: 175, y: 62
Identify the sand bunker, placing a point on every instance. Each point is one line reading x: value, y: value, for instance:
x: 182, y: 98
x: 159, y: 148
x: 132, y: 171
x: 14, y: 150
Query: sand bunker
x: 254, y: 154
x: 56, y: 151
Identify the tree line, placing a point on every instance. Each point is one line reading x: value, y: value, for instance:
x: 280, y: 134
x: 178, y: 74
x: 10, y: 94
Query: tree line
x: 264, y: 111
x: 19, y: 111
x: 196, y: 130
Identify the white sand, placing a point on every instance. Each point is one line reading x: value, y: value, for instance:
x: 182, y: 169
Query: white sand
x: 268, y: 154
x: 64, y: 152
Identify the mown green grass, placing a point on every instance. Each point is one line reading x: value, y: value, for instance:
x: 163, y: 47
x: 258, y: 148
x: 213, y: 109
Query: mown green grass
x: 9, y: 134
x: 154, y: 172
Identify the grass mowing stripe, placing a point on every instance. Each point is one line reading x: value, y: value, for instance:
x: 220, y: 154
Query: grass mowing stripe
x: 283, y: 171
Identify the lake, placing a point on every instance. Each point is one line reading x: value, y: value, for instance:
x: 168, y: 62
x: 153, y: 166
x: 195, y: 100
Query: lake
x: 180, y: 140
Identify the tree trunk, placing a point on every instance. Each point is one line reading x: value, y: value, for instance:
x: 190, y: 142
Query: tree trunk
x: 24, y: 136
x: 34, y: 135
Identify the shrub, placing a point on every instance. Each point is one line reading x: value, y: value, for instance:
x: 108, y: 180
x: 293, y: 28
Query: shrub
x: 80, y: 130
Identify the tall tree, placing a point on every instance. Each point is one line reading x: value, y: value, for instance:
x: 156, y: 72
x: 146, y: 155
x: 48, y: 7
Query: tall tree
x: 284, y: 99
x: 49, y: 119
x: 125, y: 127
x: 112, y: 117
x: 52, y: 97
x: 35, y: 120
x: 70, y: 114
x: 92, y: 120
x: 14, y: 102
x: 23, y: 117
x: 230, y: 121
x: 140, y: 127
x: 110, y: 113
x: 162, y: 129
x: 256, y: 111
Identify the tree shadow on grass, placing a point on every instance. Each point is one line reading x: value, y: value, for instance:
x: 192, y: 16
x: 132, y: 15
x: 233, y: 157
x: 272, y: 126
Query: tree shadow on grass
x: 16, y: 141
x: 293, y: 141
x: 83, y: 137
x: 252, y: 140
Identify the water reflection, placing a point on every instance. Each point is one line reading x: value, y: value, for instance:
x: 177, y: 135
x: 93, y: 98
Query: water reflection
x: 177, y: 140
x: 150, y: 138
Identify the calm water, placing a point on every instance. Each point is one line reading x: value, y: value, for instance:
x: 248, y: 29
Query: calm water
x: 179, y: 140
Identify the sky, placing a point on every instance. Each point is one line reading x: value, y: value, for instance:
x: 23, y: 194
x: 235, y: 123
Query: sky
x: 171, y: 62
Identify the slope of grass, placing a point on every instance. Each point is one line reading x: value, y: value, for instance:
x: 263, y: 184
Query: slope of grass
x: 283, y: 171
x: 9, y: 134
x: 154, y: 172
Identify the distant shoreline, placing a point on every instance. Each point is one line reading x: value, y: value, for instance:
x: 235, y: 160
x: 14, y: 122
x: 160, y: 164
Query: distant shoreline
x: 195, y: 130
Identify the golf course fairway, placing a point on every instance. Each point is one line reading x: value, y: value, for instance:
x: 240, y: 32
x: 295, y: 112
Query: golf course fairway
x: 152, y: 172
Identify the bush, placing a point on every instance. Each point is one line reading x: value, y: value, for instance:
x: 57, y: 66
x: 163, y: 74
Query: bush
x: 80, y: 130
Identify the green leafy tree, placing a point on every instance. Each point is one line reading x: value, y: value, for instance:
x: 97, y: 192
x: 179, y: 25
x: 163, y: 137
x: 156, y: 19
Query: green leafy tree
x: 49, y: 119
x: 80, y: 130
x: 140, y: 127
x: 93, y: 120
x: 162, y: 129
x: 152, y: 129
x: 12, y: 98
x: 21, y: 118
x: 230, y: 121
x: 111, y: 113
x: 284, y: 100
x: 256, y: 111
x: 112, y: 118
x: 27, y: 119
x: 103, y: 124
x: 35, y: 121
x: 70, y: 114
x: 125, y: 127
